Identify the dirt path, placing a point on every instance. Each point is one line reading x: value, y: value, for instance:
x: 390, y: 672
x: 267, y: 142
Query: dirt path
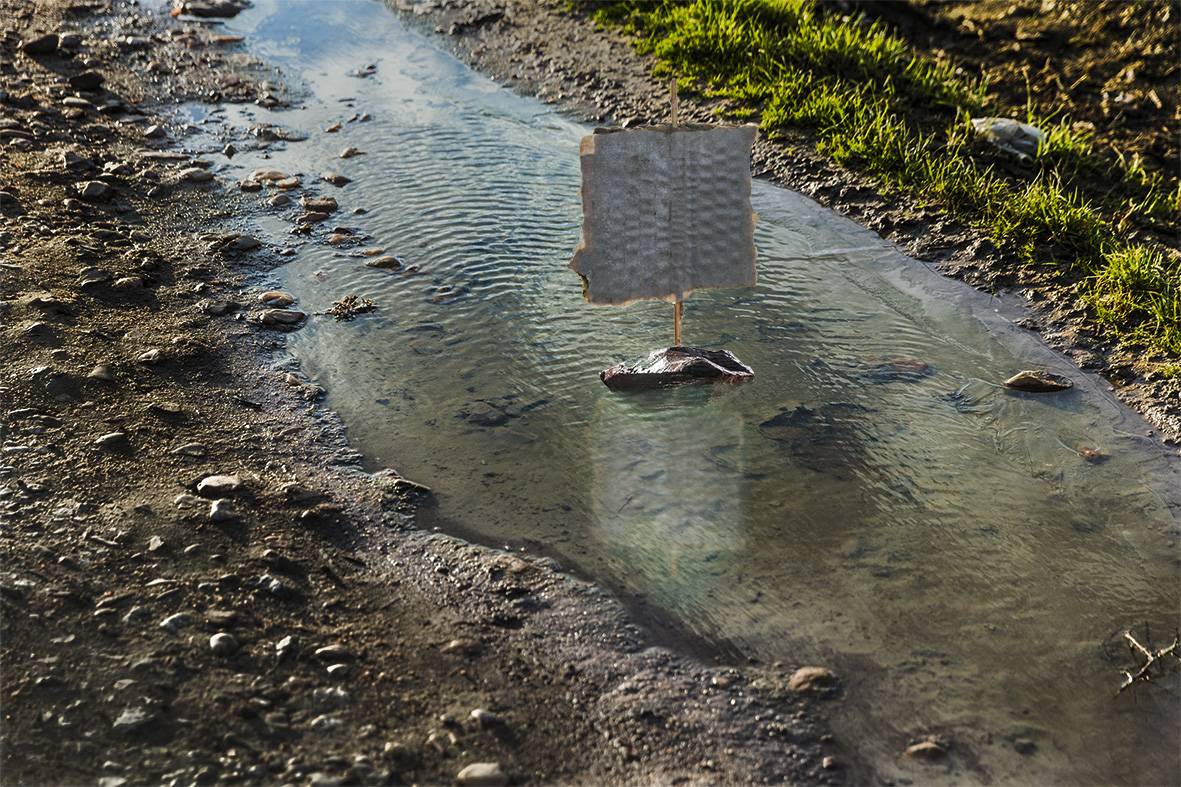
x: 198, y: 583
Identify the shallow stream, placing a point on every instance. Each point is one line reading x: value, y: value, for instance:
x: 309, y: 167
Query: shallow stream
x: 874, y: 501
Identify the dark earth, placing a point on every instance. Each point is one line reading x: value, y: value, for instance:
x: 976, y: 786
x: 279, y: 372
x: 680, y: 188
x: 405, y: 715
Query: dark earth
x: 199, y: 583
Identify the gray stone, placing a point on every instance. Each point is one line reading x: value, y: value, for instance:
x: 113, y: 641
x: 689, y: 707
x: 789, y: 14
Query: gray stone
x: 486, y: 718
x: 190, y: 449
x: 213, y: 8
x: 129, y: 283
x: 176, y: 622
x: 485, y: 414
x: 325, y: 723
x: 150, y: 358
x: 386, y: 262
x: 92, y: 190
x: 75, y: 163
x: 219, y: 485
x: 320, y: 204
x: 196, y: 175
x: 103, y: 373
x: 929, y: 750
x: 271, y: 585
x: 281, y: 317
x: 86, y: 81
x: 483, y: 774
x: 1038, y: 381
x: 267, y: 175
x: 91, y: 275
x: 223, y: 511
x: 223, y: 644
x: 243, y: 243
x: 807, y: 678
x: 136, y: 615
x: 332, y: 694
x: 333, y: 653
x: 41, y: 45
x: 133, y: 719
x: 276, y: 299
x: 112, y: 441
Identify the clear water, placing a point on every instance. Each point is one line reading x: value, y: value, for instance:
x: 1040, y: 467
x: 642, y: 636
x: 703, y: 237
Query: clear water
x: 935, y: 539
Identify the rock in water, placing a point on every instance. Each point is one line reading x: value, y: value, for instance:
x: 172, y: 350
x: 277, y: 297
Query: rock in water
x: 1038, y: 381
x: 676, y: 366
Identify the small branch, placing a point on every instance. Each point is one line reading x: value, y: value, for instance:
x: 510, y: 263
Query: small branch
x: 1150, y: 658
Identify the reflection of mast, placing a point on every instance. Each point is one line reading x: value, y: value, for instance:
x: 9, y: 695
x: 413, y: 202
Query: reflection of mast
x: 666, y: 210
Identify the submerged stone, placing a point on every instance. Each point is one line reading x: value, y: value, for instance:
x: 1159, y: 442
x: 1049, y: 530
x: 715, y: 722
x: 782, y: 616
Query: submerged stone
x: 676, y: 366
x: 1038, y: 381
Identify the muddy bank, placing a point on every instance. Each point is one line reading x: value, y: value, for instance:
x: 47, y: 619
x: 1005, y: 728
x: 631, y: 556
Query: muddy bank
x: 200, y: 584
x: 541, y: 47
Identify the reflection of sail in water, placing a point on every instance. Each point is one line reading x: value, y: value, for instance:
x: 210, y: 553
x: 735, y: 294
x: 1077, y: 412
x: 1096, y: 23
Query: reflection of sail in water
x: 668, y: 491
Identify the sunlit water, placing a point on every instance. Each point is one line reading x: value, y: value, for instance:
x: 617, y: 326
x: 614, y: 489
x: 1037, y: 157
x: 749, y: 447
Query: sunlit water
x: 935, y: 539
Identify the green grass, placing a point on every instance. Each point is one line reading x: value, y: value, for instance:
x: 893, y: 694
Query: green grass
x: 869, y: 104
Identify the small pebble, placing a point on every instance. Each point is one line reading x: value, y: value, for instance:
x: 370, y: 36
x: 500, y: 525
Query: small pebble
x: 350, y: 152
x: 325, y: 723
x: 386, y: 263
x: 223, y: 644
x: 196, y: 175
x: 486, y: 718
x: 333, y: 653
x: 927, y: 751
x: 176, y: 622
x: 223, y: 511
x: 132, y: 720
x: 483, y: 774
x: 137, y: 614
x: 276, y: 299
x: 93, y: 191
x: 219, y: 485
x: 112, y: 441
x: 102, y: 372
x: 281, y: 317
x: 267, y: 175
x: 806, y: 678
x: 150, y: 358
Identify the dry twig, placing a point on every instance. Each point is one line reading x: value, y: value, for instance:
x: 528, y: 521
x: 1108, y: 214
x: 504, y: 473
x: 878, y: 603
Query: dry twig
x: 1150, y: 658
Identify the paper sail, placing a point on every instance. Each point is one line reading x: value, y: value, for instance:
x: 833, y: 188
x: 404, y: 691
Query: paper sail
x: 666, y: 210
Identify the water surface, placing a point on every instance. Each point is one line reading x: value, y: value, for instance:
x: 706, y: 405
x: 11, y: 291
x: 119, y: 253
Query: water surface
x: 937, y: 540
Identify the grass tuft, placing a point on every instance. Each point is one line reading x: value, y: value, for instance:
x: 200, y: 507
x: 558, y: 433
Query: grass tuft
x: 872, y: 105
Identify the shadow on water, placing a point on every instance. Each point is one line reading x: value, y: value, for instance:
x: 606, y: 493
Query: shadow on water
x: 874, y: 500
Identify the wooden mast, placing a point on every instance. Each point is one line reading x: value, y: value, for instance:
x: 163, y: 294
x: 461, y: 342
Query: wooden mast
x: 679, y: 306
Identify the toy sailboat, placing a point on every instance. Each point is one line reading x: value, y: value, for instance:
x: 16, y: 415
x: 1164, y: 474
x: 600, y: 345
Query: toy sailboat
x: 666, y: 210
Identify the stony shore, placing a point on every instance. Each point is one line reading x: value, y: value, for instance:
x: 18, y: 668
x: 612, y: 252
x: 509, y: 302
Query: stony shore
x: 200, y: 585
